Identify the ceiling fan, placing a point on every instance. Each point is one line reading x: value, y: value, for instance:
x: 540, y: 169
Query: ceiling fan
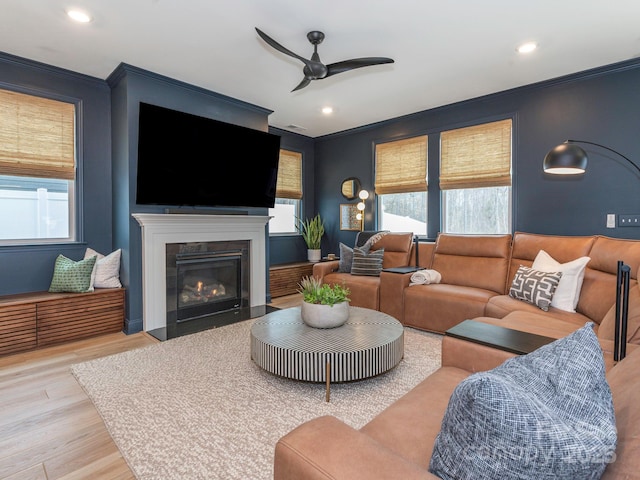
x: 314, y: 69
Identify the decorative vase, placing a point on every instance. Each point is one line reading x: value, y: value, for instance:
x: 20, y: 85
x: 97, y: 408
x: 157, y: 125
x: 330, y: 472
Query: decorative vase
x: 324, y: 316
x: 314, y: 255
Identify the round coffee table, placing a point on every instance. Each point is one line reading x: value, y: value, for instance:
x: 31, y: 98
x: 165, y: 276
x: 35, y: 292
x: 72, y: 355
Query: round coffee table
x: 370, y: 343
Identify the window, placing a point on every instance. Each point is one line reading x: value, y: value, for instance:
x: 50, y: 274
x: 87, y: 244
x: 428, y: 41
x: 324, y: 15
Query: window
x: 475, y: 179
x: 288, y: 193
x: 37, y: 169
x: 401, y: 185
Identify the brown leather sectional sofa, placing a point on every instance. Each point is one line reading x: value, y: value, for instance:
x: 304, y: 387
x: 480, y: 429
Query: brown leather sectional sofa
x: 477, y: 272
x: 398, y: 443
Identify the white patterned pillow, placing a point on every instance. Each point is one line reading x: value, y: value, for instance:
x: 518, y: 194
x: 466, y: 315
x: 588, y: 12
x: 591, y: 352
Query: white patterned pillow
x: 535, y: 287
x: 367, y: 263
x: 568, y: 291
x: 106, y: 273
x: 548, y: 414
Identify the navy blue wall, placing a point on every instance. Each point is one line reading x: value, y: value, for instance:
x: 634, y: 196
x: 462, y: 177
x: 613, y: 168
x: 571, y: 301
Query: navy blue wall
x: 30, y: 268
x: 131, y: 86
x: 291, y: 248
x: 601, y: 106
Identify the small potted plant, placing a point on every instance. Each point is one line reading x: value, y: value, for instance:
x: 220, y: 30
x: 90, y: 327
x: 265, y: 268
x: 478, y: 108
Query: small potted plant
x: 312, y: 232
x: 323, y: 305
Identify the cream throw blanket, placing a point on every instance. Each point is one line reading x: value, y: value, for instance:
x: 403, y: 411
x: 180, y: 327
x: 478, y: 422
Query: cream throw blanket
x: 424, y: 277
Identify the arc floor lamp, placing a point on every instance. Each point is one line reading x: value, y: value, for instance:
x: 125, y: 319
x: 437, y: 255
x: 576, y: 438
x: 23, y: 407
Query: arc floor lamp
x: 570, y: 159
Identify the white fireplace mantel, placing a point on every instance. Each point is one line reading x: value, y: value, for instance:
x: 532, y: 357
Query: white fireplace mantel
x: 158, y: 230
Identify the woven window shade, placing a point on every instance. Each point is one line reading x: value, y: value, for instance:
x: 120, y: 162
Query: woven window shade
x: 289, y: 175
x: 478, y: 156
x: 401, y: 166
x: 37, y: 136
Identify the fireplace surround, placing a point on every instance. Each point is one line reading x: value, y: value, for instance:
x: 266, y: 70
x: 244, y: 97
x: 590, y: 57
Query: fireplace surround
x: 160, y: 230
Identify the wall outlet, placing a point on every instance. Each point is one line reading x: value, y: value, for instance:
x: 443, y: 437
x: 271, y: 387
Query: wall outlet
x: 629, y: 220
x: 611, y: 220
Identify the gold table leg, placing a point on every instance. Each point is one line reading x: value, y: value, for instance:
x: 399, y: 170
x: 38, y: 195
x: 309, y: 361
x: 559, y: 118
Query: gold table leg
x: 328, y: 375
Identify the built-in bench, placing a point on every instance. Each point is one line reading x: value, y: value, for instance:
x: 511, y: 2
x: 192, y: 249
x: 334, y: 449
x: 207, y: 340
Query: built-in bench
x: 39, y: 319
x: 284, y: 278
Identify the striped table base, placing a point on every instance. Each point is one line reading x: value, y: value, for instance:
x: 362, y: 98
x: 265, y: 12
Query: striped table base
x: 370, y: 343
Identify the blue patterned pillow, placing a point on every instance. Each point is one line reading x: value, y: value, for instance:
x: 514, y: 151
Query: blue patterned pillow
x: 546, y: 415
x: 70, y: 276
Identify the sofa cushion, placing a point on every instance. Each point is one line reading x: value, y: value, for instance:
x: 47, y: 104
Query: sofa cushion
x: 568, y: 291
x: 396, y: 246
x: 599, y: 286
x: 534, y: 286
x: 367, y: 263
x: 548, y: 414
x: 624, y: 382
x: 479, y: 261
x: 607, y: 327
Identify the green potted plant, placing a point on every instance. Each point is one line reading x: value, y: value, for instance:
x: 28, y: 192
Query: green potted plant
x: 323, y: 305
x: 312, y: 232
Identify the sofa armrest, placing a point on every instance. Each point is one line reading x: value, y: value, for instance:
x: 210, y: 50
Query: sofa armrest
x: 321, y: 269
x: 326, y: 448
x: 392, y: 287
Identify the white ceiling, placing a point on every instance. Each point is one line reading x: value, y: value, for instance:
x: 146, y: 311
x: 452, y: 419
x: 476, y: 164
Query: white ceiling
x: 444, y: 51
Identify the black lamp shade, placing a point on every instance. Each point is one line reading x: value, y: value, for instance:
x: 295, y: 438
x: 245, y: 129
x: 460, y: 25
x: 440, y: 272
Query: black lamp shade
x: 565, y: 159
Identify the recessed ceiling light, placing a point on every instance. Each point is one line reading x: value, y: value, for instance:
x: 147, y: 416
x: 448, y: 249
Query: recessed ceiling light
x: 327, y: 110
x: 79, y: 16
x: 527, y: 47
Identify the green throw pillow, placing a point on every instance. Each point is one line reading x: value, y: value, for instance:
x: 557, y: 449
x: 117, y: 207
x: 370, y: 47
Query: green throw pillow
x: 70, y: 276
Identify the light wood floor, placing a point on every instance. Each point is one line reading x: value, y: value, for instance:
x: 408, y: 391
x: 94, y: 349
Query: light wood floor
x: 49, y: 429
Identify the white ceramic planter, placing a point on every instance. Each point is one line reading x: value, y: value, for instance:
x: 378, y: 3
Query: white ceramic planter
x: 314, y: 255
x: 324, y: 316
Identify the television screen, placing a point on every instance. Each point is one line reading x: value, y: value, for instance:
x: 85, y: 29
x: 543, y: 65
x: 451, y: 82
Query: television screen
x: 188, y: 160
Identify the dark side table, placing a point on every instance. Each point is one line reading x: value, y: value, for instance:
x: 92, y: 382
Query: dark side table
x: 507, y: 339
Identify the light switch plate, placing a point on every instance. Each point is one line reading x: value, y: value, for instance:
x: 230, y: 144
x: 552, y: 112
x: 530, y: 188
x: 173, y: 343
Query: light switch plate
x: 611, y: 220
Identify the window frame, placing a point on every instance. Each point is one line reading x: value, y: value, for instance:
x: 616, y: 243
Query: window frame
x: 299, y: 206
x: 75, y: 197
x: 510, y: 213
x: 401, y: 189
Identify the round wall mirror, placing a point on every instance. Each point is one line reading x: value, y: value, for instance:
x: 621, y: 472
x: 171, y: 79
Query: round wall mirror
x: 350, y: 188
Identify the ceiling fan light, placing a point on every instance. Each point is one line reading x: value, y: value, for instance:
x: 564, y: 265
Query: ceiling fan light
x: 79, y: 16
x: 527, y: 47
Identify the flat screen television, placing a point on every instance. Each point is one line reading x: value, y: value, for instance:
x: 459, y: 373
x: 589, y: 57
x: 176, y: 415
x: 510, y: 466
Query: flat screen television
x: 188, y: 160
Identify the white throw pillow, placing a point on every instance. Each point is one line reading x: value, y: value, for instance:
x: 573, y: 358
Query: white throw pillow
x: 106, y: 273
x: 567, y: 294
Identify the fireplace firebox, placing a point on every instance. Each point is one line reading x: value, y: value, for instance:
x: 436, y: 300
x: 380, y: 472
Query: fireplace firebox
x: 206, y: 278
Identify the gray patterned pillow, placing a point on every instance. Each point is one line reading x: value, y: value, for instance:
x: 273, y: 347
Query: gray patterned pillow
x: 546, y: 415
x: 70, y: 276
x: 534, y: 286
x: 346, y: 258
x: 367, y: 263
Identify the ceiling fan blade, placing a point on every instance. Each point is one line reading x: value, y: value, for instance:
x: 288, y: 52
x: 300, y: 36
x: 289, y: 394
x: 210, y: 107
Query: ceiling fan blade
x: 346, y: 65
x: 305, y: 81
x: 280, y: 48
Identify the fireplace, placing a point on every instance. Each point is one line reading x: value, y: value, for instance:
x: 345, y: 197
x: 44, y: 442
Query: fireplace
x: 161, y: 230
x: 206, y: 278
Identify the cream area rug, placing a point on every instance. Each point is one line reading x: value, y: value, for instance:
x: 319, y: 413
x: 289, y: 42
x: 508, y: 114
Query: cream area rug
x: 197, y: 407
